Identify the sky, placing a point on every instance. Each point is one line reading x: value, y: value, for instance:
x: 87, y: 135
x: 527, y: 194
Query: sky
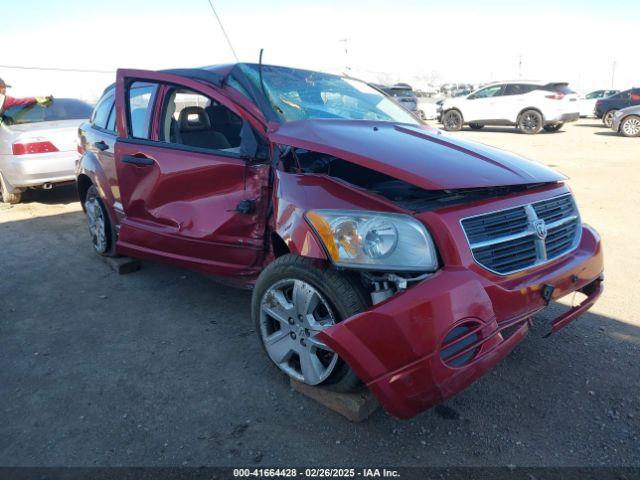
x: 402, y: 40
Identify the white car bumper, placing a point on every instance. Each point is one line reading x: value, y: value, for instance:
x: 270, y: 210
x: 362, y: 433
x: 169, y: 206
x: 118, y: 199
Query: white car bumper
x: 37, y: 169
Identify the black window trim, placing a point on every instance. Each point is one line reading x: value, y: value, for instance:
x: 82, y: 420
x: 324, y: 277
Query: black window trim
x: 103, y: 99
x: 182, y: 148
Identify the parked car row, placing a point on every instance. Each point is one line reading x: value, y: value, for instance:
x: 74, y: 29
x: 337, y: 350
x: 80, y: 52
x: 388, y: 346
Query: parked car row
x: 381, y: 252
x: 605, y: 108
x: 529, y: 106
x: 405, y: 96
x: 588, y: 102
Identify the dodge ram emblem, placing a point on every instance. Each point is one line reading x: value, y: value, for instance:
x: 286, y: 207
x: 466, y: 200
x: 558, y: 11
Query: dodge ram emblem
x: 540, y: 228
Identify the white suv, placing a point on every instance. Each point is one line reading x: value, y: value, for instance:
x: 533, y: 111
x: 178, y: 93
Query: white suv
x: 530, y: 106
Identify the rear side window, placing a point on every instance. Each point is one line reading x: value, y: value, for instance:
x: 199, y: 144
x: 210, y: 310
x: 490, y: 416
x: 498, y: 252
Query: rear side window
x: 559, y: 88
x: 518, y: 89
x: 102, y: 111
x: 140, y: 109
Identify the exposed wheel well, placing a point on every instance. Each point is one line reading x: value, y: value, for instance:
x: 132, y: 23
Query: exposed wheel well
x: 83, y: 184
x: 279, y: 246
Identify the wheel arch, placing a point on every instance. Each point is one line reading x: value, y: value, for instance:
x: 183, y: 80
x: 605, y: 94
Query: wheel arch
x: 457, y: 109
x: 83, y: 183
x: 522, y: 110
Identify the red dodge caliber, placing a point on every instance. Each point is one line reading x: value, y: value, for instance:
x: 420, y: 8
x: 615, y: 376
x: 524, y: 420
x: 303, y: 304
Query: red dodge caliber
x: 382, y: 253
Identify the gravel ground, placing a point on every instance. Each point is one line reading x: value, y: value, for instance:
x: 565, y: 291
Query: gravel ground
x: 162, y: 367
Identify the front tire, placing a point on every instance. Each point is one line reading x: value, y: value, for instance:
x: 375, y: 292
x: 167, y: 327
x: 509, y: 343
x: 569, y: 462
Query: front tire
x: 99, y: 223
x: 607, y: 118
x: 476, y: 126
x: 553, y: 128
x: 294, y: 299
x: 452, y: 121
x: 530, y: 122
x: 630, y: 126
x: 10, y: 198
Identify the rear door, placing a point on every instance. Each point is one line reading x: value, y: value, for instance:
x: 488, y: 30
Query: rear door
x: 188, y: 195
x: 99, y: 137
x: 516, y: 97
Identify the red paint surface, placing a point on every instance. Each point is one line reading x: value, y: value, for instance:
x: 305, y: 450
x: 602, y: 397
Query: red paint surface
x: 181, y: 209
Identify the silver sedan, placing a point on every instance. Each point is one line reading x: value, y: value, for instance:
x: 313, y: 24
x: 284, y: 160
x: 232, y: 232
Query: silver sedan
x: 627, y: 121
x: 38, y: 145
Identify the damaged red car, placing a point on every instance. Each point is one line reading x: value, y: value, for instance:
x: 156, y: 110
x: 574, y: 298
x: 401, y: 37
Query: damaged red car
x: 382, y: 253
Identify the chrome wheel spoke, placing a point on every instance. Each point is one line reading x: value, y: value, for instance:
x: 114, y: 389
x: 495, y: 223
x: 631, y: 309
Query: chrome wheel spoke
x: 305, y: 298
x: 313, y: 342
x: 312, y: 368
x: 280, y: 346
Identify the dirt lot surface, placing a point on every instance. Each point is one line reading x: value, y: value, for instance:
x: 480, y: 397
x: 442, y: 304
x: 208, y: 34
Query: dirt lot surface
x: 162, y: 366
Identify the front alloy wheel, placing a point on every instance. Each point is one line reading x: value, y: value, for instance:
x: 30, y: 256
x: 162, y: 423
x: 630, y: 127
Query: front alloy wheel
x: 292, y: 313
x: 630, y: 126
x: 296, y: 298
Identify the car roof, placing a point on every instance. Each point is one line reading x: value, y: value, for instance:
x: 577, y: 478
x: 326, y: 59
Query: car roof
x: 526, y: 82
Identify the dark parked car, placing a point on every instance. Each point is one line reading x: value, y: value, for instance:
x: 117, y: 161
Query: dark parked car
x: 627, y: 121
x: 606, y: 107
x: 405, y: 96
x: 380, y: 251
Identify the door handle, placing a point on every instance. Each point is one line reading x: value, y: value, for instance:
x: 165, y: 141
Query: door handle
x: 137, y: 160
x: 101, y: 145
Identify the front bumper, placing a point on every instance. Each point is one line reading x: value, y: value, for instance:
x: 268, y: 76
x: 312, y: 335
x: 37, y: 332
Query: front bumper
x: 37, y: 169
x: 397, y: 347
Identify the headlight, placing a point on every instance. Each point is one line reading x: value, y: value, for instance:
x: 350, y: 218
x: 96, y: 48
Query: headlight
x: 377, y: 241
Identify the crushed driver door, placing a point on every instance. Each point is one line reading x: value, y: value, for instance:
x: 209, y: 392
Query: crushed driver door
x: 189, y: 196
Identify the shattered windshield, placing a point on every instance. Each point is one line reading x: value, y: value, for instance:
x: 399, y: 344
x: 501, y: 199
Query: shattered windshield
x: 302, y: 94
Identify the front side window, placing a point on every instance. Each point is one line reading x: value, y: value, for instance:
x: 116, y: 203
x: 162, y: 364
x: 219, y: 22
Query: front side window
x: 592, y: 95
x: 302, y: 94
x: 194, y: 120
x: 140, y: 106
x: 488, y: 92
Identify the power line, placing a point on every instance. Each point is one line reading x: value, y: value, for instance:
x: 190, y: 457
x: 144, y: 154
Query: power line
x: 223, y: 30
x: 55, y: 69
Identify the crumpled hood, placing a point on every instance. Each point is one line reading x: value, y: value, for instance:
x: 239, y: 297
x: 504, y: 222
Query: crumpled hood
x: 422, y: 156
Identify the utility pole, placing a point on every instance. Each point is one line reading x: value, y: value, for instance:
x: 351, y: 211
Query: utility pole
x: 519, y: 57
x: 346, y: 41
x: 613, y: 73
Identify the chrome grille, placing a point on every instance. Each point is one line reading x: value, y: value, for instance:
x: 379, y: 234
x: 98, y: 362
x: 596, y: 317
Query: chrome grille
x: 522, y: 237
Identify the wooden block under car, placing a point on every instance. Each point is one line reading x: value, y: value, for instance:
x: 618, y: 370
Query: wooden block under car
x: 353, y: 406
x: 122, y: 265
